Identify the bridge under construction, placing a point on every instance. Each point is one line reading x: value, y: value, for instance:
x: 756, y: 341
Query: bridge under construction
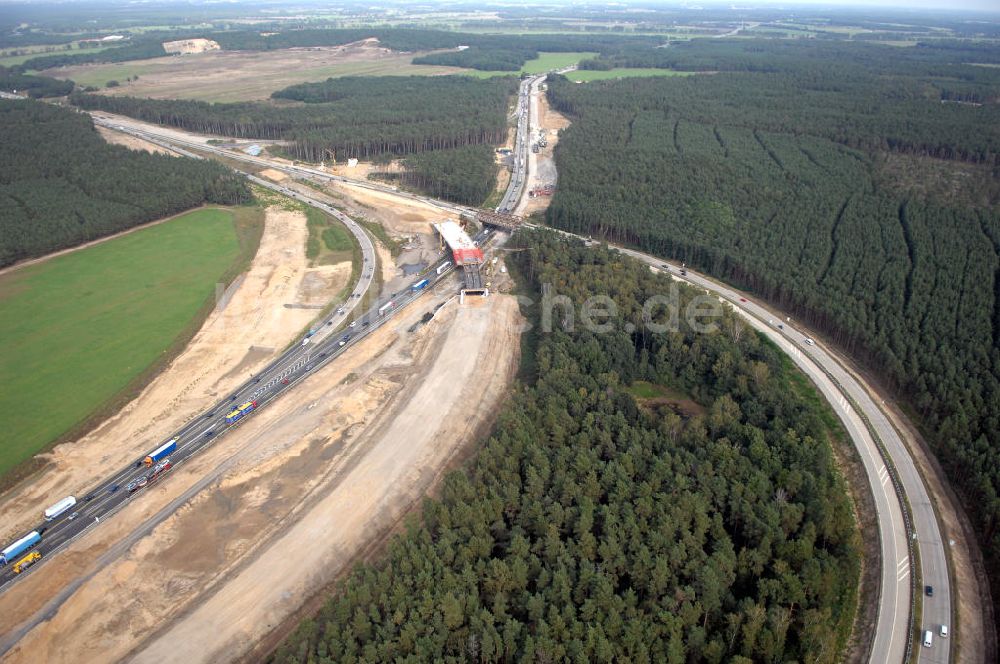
x: 466, y: 254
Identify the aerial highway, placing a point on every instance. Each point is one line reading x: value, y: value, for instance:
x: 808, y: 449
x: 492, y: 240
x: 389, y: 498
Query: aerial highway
x: 174, y: 140
x: 519, y: 172
x: 325, y: 341
x: 913, y: 550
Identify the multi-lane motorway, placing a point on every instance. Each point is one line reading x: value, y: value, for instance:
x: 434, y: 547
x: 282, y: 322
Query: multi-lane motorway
x: 907, y: 523
x: 913, y: 550
x: 176, y: 141
x: 324, y: 342
x: 519, y: 171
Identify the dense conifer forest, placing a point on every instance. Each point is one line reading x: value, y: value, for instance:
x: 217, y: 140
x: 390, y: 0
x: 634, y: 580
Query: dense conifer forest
x: 464, y: 175
x: 14, y: 80
x: 859, y: 193
x: 61, y: 184
x: 365, y: 118
x: 593, y: 527
x: 349, y: 117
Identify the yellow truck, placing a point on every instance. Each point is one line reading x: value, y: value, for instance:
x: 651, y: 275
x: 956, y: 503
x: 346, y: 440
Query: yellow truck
x: 26, y: 562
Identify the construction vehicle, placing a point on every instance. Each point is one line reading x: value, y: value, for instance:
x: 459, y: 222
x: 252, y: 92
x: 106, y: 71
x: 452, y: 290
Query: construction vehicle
x: 240, y: 412
x: 160, y: 452
x: 26, y: 562
x: 20, y: 546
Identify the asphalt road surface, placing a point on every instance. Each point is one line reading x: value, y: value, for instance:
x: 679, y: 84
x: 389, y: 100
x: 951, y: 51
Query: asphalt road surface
x: 169, y: 138
x: 320, y: 345
x: 890, y: 469
x: 519, y: 174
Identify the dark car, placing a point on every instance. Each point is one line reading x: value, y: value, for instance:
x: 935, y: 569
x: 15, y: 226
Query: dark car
x: 929, y: 591
x: 113, y: 488
x: 209, y: 433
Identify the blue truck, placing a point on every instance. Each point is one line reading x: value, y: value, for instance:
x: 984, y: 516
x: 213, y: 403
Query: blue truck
x: 20, y: 546
x: 161, y: 452
x: 420, y: 285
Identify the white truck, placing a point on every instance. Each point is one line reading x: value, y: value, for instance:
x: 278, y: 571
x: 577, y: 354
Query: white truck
x: 60, y: 507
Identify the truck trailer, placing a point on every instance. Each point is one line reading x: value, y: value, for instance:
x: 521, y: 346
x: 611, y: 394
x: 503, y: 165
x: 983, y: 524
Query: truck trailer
x: 443, y: 267
x: 420, y: 285
x: 385, y: 308
x: 20, y: 546
x: 60, y: 507
x: 160, y: 452
x: 241, y: 412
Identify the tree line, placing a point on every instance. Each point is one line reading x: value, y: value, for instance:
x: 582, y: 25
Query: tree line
x: 346, y: 117
x: 784, y: 185
x: 593, y: 527
x: 61, y: 184
x: 465, y: 175
x: 36, y: 87
x: 483, y: 51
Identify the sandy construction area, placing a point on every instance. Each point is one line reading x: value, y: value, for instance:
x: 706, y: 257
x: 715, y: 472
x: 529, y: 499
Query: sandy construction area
x: 278, y: 508
x: 244, y: 75
x: 542, y: 164
x: 250, y: 324
x: 131, y: 142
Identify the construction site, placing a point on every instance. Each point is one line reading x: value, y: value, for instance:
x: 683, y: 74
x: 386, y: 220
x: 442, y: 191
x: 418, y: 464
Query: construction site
x: 335, y: 463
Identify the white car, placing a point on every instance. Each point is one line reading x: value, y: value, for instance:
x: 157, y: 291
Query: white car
x: 809, y: 341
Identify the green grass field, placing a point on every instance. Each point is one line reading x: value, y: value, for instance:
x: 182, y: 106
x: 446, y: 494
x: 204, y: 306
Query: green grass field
x: 76, y: 330
x: 98, y: 75
x: 544, y: 62
x: 585, y: 75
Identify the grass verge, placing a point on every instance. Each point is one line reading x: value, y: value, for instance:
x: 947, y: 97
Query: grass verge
x: 380, y: 233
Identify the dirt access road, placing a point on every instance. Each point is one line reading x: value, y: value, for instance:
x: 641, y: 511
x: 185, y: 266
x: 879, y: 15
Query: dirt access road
x: 300, y: 489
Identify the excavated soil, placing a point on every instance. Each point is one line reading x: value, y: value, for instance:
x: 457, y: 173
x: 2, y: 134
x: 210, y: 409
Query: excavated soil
x: 131, y: 142
x: 251, y: 321
x: 542, y: 165
x: 288, y: 498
